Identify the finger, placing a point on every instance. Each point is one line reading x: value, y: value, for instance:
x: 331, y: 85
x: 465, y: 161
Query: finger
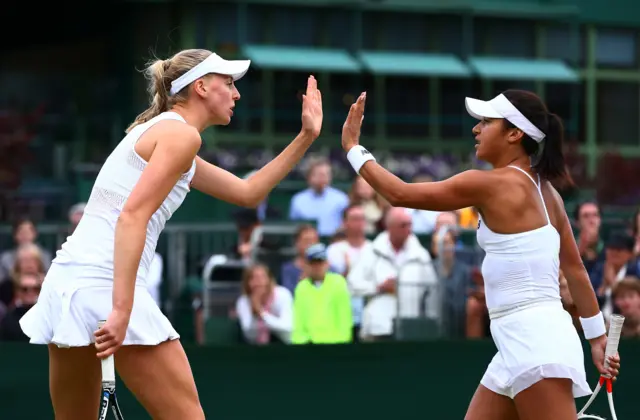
x: 311, y: 86
x: 101, y: 332
x: 319, y: 97
x: 106, y: 353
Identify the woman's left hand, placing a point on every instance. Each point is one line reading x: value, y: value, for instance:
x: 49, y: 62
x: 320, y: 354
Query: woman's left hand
x: 353, y: 124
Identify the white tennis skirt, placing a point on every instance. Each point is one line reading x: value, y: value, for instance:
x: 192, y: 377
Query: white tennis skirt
x: 535, y: 343
x: 72, y: 302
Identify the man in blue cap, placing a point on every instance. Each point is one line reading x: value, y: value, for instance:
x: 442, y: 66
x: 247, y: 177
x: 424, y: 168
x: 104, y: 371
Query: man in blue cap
x: 322, y: 303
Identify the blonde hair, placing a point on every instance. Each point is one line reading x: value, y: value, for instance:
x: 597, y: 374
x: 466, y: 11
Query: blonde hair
x: 248, y: 274
x: 33, y: 251
x: 160, y: 74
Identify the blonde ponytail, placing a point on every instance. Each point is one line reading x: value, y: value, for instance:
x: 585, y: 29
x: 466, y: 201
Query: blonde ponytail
x: 160, y: 74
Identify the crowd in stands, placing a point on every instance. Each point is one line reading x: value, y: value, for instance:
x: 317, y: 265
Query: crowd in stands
x: 359, y: 270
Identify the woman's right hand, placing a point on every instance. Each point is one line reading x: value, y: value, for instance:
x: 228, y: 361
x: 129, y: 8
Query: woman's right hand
x: 312, y: 109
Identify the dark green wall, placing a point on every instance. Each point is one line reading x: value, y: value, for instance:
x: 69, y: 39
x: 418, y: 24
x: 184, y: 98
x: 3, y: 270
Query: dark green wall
x: 387, y: 381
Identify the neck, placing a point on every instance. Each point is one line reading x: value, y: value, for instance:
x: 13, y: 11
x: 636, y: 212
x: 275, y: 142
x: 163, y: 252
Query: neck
x: 355, y: 241
x: 397, y: 245
x: 510, y: 160
x: 298, y: 261
x: 194, y: 117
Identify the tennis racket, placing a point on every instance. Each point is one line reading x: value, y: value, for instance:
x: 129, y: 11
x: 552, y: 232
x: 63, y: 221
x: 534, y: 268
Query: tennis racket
x: 615, y: 328
x: 108, y: 398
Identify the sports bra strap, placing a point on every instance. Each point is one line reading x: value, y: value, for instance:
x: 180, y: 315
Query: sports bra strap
x: 538, y: 187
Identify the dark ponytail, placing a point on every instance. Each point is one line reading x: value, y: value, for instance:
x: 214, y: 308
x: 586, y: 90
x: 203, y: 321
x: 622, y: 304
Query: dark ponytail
x: 547, y: 157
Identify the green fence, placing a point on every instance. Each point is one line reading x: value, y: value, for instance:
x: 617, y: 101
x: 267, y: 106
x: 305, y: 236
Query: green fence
x: 432, y: 380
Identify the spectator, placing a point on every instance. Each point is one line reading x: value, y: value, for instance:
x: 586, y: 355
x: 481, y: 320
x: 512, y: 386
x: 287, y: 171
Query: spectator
x: 590, y: 244
x: 292, y: 271
x: 424, y: 221
x: 320, y: 202
x: 27, y: 290
x: 468, y: 218
x: 635, y: 230
x: 24, y: 232
x: 618, y: 264
x: 28, y: 260
x: 455, y: 279
x: 344, y: 254
x: 626, y: 296
x: 393, y: 275
x: 75, y: 214
x: 321, y: 304
x: 264, y: 309
x: 371, y: 202
x: 476, y: 308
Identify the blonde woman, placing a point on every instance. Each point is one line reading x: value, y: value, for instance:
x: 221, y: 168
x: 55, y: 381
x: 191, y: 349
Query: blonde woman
x: 371, y: 202
x: 27, y: 261
x: 105, y: 262
x: 264, y: 309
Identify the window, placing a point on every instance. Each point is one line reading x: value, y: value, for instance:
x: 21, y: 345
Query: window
x: 455, y: 121
x: 223, y: 21
x: 616, y: 48
x: 395, y: 31
x: 567, y: 100
x: 407, y: 107
x: 255, y: 26
x: 288, y: 100
x: 344, y: 90
x: 446, y: 34
x: 296, y: 26
x: 618, y: 110
x: 502, y: 37
x: 249, y: 109
x: 564, y: 43
x: 341, y: 29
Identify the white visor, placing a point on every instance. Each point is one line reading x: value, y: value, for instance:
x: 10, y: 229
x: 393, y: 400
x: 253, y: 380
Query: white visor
x: 212, y: 64
x: 500, y: 107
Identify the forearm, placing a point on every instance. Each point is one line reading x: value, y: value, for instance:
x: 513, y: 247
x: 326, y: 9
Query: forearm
x: 265, y: 179
x: 384, y: 182
x: 130, y: 236
x: 582, y: 293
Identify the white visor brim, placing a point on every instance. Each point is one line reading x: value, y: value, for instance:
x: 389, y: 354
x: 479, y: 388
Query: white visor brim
x: 479, y: 109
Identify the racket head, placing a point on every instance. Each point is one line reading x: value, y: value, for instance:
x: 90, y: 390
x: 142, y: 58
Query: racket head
x: 591, y: 416
x: 105, y: 401
x: 115, y: 408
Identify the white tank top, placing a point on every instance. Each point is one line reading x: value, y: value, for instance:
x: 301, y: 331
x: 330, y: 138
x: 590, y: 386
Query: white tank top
x: 92, y: 243
x: 521, y: 268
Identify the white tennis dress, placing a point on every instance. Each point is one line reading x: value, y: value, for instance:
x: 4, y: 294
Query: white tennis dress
x: 77, y: 291
x: 535, y: 336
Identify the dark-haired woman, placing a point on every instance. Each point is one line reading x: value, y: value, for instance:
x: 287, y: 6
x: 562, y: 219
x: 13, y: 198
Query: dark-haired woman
x: 525, y: 232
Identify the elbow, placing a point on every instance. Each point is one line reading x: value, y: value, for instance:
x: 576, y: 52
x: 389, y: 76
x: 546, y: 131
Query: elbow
x: 397, y: 195
x: 131, y: 219
x: 251, y: 196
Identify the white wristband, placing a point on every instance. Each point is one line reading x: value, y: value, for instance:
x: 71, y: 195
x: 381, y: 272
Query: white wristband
x: 358, y: 156
x: 593, y: 327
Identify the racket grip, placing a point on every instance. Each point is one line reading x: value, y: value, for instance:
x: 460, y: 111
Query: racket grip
x: 613, y: 338
x: 108, y: 366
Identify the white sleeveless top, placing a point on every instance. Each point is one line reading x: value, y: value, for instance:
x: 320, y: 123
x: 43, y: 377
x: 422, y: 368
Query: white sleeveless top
x: 92, y: 243
x: 522, y: 268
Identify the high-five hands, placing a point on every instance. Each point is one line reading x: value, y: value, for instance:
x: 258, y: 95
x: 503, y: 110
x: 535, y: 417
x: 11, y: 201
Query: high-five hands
x: 353, y: 124
x: 312, y: 109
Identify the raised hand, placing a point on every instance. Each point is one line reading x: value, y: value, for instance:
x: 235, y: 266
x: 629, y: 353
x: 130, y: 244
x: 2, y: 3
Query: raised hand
x: 312, y: 109
x: 353, y: 124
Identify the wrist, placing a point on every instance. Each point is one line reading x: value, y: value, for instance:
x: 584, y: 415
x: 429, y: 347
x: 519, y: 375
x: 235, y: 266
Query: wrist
x: 358, y: 156
x: 593, y: 327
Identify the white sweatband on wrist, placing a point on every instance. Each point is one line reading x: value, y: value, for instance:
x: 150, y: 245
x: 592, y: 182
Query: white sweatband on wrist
x: 358, y: 156
x: 593, y: 327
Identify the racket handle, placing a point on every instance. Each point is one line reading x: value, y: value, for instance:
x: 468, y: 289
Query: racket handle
x: 613, y: 338
x: 108, y: 366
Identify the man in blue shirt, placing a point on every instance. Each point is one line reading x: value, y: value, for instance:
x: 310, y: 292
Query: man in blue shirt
x: 320, y: 202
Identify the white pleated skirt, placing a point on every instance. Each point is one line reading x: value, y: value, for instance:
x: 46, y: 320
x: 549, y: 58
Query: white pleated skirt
x: 534, y: 344
x: 74, y: 299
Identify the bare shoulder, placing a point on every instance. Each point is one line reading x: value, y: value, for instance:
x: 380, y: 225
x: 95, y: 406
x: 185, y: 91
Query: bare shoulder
x: 177, y: 133
x: 555, y: 203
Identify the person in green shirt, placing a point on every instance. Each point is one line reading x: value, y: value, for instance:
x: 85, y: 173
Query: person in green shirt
x: 321, y: 303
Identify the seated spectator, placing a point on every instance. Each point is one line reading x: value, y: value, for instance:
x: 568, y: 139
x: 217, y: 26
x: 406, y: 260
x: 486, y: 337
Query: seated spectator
x: 590, y: 244
x: 28, y: 260
x: 292, y: 271
x: 264, y: 309
x: 371, y: 202
x: 321, y: 303
x: 618, y: 264
x: 320, y: 202
x: 455, y: 278
x: 626, y: 295
x: 393, y: 276
x: 27, y: 290
x: 424, y: 221
x: 24, y: 232
x: 476, y: 307
x: 344, y: 254
x: 75, y: 214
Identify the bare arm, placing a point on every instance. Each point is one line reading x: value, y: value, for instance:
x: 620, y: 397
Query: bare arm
x: 584, y: 297
x: 251, y: 192
x: 224, y: 185
x: 175, y: 149
x: 469, y: 188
